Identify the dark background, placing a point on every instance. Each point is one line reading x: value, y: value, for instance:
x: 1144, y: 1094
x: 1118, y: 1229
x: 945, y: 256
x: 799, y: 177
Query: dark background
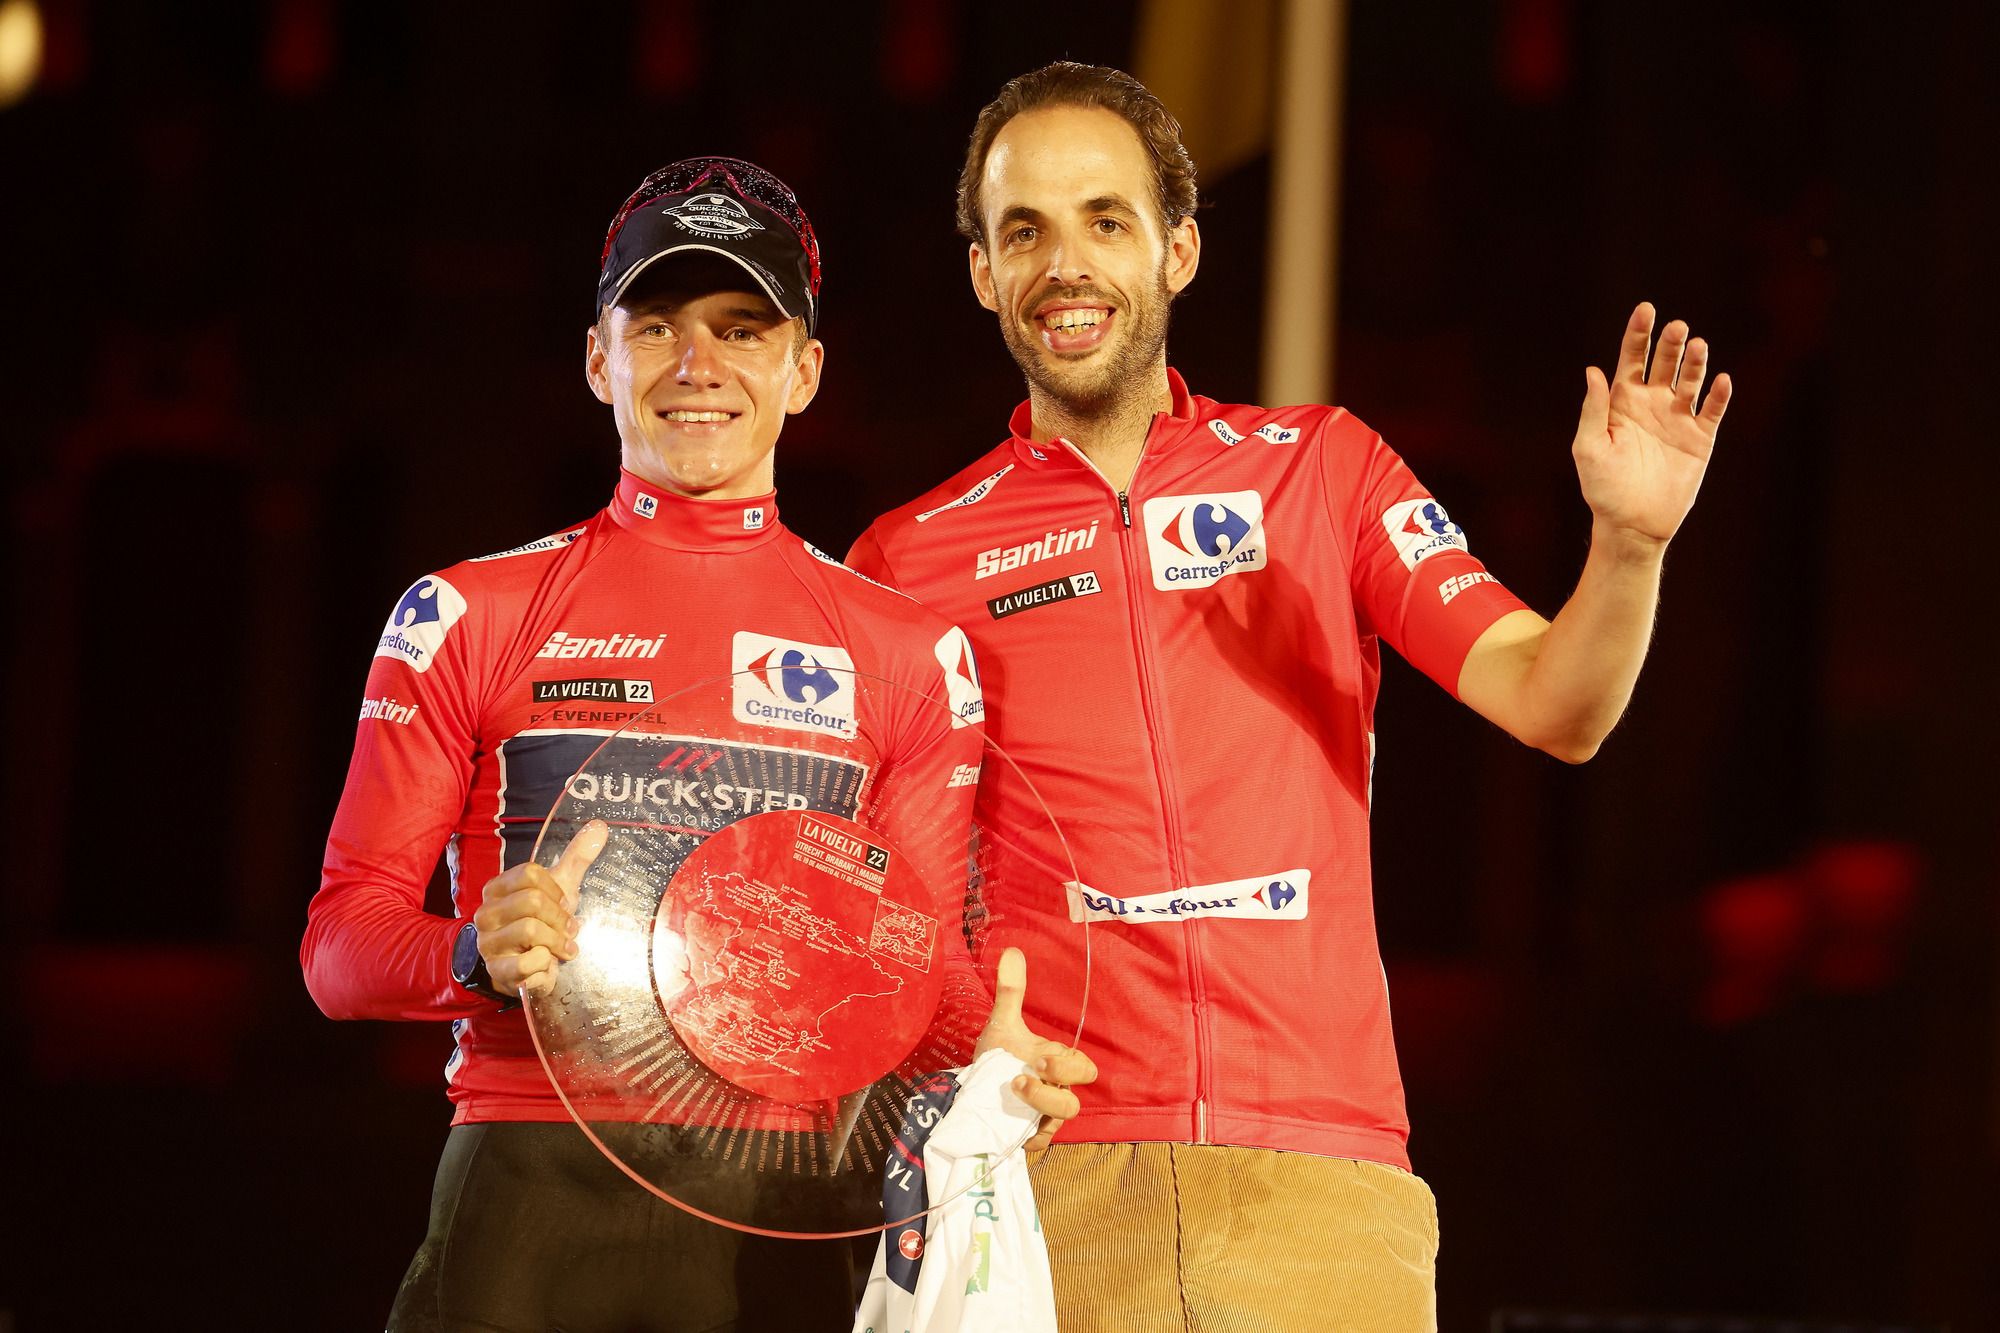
x: 294, y: 298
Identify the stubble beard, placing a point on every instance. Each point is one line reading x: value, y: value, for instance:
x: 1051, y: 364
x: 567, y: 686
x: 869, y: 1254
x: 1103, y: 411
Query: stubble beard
x: 1103, y: 385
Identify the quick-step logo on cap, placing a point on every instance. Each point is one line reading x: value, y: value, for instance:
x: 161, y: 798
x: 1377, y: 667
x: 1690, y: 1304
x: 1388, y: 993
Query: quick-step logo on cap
x: 420, y: 621
x: 1195, y: 541
x: 796, y: 686
x: 1420, y: 529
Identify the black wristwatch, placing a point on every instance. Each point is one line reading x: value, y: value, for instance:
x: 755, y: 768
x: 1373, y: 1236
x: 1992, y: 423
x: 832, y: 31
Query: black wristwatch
x: 468, y: 968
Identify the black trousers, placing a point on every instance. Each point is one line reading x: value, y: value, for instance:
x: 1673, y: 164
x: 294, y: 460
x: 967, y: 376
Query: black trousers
x: 533, y: 1231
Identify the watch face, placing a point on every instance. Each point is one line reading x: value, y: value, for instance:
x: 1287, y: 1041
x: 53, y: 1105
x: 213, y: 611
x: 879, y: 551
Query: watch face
x: 465, y: 954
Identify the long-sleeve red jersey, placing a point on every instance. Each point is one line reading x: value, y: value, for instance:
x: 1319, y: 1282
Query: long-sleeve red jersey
x: 1187, y: 674
x: 496, y: 679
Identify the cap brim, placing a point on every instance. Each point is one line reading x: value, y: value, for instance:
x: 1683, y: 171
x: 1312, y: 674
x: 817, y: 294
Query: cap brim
x: 696, y: 247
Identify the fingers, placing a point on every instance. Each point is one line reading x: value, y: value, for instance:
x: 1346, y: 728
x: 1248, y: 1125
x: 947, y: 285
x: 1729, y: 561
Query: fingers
x: 1632, y: 347
x: 1067, y: 1066
x: 1667, y: 356
x: 524, y: 928
x: 522, y: 935
x: 1047, y: 1099
x: 533, y: 972
x: 1717, y: 404
x: 1694, y: 368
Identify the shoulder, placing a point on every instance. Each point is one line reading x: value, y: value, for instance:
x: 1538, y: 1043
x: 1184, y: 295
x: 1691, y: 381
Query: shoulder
x: 962, y: 489
x: 876, y: 605
x: 475, y: 590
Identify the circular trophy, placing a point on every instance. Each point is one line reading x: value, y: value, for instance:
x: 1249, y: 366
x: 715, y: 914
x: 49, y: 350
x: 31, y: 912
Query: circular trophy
x: 807, y: 878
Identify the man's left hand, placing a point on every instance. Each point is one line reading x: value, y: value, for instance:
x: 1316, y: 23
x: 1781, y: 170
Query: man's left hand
x: 1641, y: 446
x: 1057, y: 1067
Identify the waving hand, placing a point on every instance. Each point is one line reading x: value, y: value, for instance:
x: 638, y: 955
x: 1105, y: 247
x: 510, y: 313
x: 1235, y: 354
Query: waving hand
x: 1641, y: 444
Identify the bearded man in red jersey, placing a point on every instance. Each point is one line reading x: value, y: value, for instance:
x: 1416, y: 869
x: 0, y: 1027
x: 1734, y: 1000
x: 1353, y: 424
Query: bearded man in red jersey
x: 1179, y: 606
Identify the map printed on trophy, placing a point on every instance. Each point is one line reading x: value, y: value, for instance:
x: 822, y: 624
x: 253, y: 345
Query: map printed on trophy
x: 791, y: 926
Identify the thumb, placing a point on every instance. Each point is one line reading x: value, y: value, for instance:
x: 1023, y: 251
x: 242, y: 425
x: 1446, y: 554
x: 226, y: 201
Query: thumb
x: 1595, y: 418
x: 1010, y: 986
x: 577, y: 857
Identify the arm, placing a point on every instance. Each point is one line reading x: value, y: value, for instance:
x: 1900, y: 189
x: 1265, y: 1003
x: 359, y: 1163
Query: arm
x: 1641, y: 450
x: 924, y: 802
x: 370, y: 949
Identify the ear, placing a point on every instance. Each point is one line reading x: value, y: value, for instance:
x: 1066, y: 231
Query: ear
x: 1183, y: 254
x: 805, y: 377
x: 594, y: 353
x: 982, y: 277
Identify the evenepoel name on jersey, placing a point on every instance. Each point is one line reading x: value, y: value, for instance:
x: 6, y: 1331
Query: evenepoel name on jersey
x: 418, y: 625
x: 1195, y: 541
x: 1280, y: 896
x: 791, y: 685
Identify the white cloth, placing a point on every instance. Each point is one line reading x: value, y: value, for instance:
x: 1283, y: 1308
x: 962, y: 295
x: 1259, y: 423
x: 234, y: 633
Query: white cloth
x: 976, y: 1264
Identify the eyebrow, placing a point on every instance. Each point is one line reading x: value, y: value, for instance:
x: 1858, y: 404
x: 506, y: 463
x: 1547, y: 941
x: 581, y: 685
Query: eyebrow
x: 1111, y: 203
x: 1103, y: 203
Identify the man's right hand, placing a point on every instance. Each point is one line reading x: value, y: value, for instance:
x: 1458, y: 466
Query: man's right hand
x: 525, y: 920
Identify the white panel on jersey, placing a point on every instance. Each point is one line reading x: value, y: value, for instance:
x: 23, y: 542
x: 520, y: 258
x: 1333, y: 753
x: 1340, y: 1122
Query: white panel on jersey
x: 420, y: 621
x: 797, y: 686
x: 1195, y: 541
x: 1279, y: 896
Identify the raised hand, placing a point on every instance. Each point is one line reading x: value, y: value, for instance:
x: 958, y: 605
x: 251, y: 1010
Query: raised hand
x: 1057, y: 1067
x: 1643, y: 439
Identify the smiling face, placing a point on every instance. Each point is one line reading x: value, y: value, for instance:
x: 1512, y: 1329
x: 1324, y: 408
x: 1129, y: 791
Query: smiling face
x: 1075, y: 260
x: 700, y: 378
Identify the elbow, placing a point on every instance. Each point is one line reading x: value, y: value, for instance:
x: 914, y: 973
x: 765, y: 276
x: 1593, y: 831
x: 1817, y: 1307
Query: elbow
x: 1572, y: 751
x: 1572, y: 745
x: 321, y: 982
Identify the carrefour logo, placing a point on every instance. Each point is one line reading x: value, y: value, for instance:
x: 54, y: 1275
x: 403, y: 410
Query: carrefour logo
x: 1420, y: 529
x: 420, y: 621
x: 961, y: 678
x: 792, y: 685
x: 1281, y: 896
x: 1196, y: 540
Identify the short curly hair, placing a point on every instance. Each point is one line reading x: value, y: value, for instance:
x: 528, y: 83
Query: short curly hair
x: 1066, y: 83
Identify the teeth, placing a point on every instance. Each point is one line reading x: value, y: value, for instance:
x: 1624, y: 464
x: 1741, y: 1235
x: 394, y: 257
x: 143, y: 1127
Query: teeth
x: 697, y: 416
x: 1069, y: 321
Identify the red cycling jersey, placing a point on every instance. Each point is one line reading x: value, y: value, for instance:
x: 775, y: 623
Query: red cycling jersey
x: 496, y: 679
x: 1187, y: 674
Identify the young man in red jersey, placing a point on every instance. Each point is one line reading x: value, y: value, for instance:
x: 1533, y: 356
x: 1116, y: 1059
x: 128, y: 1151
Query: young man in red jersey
x: 496, y: 679
x: 1179, y: 605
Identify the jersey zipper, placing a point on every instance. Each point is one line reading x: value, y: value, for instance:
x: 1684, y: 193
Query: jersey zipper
x: 1137, y: 577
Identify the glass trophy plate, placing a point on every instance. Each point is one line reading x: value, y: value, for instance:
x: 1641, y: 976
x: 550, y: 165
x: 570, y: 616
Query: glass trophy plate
x: 807, y: 880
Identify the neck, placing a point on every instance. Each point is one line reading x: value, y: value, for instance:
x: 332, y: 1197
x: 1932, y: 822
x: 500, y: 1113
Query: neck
x: 1112, y: 435
x: 647, y: 466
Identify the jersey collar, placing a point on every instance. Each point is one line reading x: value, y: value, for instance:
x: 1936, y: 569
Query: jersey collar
x: 659, y: 516
x: 1168, y: 428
